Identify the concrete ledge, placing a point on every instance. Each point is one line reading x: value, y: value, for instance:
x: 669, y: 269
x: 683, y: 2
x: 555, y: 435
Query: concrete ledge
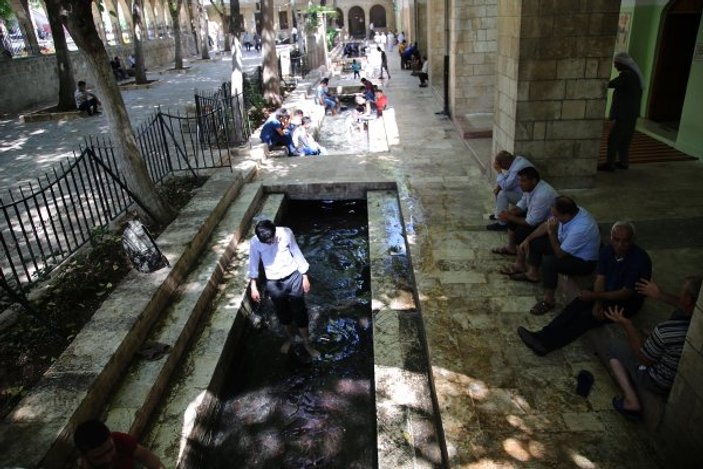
x: 146, y: 381
x: 193, y: 400
x: 45, y: 115
x: 473, y: 128
x: 407, y: 423
x: 77, y: 385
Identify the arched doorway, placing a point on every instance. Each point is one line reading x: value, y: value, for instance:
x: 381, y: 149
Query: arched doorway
x: 339, y: 19
x: 677, y: 41
x: 377, y: 16
x: 357, y: 24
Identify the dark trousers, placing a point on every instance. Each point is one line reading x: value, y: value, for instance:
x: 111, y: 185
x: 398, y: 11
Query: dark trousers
x: 90, y: 106
x: 423, y: 78
x: 619, y: 140
x: 385, y: 67
x: 288, y: 298
x: 285, y: 140
x: 521, y: 231
x: 542, y: 254
x: 575, y: 320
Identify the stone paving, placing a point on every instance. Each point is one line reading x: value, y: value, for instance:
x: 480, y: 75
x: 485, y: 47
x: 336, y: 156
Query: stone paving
x: 501, y: 406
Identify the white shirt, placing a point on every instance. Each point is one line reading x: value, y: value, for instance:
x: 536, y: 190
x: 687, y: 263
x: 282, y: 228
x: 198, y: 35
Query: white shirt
x: 425, y: 66
x: 537, y: 203
x: 508, y: 180
x: 280, y: 259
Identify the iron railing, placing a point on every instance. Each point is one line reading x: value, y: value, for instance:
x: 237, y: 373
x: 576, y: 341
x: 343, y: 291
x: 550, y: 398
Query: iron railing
x: 42, y: 223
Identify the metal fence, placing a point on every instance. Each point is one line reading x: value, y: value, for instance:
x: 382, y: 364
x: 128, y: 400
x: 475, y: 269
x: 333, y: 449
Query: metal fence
x: 43, y: 223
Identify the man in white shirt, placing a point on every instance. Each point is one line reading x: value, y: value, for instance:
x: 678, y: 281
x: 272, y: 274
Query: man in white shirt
x: 304, y: 143
x: 286, y: 278
x: 507, y: 189
x: 85, y: 100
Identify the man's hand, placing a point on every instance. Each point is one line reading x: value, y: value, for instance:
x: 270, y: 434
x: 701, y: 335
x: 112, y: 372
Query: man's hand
x: 255, y: 296
x: 524, y: 247
x: 504, y: 216
x: 648, y: 288
x: 496, y: 189
x: 497, y: 167
x: 552, y: 225
x: 616, y: 314
x: 306, y: 283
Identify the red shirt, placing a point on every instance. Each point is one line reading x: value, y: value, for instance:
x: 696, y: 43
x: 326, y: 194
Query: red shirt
x: 381, y: 103
x: 125, y: 445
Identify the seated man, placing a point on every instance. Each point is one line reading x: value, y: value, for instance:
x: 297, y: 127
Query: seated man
x: 324, y: 98
x: 620, y: 266
x: 531, y: 210
x: 304, y: 143
x: 274, y: 132
x: 567, y: 243
x: 652, y: 364
x: 423, y: 75
x: 117, y: 69
x: 100, y: 448
x: 85, y: 100
x: 507, y: 189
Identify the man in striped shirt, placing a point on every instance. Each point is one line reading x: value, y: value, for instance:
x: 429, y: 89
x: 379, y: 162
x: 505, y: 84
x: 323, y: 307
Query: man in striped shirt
x: 655, y: 361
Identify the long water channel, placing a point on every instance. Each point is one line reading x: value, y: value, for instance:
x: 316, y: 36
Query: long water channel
x: 286, y: 411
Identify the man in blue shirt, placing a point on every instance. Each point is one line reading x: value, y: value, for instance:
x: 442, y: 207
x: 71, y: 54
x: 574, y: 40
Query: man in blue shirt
x: 621, y: 265
x: 507, y: 189
x: 324, y: 98
x: 567, y: 243
x: 530, y: 211
x: 274, y: 132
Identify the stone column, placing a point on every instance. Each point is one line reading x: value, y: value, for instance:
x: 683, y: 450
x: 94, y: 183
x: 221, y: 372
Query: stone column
x: 472, y: 56
x: 553, y: 63
x: 683, y: 414
x: 436, y: 44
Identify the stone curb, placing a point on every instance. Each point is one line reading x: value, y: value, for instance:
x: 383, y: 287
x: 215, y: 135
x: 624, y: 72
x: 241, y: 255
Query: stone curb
x: 77, y: 385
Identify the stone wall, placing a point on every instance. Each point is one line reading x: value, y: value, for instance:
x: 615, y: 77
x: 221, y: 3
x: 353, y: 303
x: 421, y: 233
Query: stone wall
x: 553, y: 66
x: 436, y: 45
x: 31, y: 82
x: 473, y: 55
x: 684, y: 409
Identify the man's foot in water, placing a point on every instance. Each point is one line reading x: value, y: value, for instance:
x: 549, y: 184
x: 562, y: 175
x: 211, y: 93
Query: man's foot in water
x: 285, y: 347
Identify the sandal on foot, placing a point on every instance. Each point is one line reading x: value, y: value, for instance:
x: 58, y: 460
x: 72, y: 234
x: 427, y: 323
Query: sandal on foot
x: 522, y: 277
x: 503, y: 251
x: 541, y: 308
x: 619, y: 405
x: 509, y: 270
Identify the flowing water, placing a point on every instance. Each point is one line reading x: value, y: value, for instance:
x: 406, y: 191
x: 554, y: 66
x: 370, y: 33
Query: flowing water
x: 289, y: 411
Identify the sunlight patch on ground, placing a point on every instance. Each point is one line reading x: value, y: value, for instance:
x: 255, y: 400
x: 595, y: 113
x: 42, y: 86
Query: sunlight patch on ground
x: 582, y: 461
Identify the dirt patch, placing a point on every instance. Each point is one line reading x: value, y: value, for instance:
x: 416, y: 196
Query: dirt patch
x: 35, y: 341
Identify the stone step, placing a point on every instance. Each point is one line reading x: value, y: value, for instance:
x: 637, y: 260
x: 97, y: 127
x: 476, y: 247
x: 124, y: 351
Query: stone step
x: 77, y: 385
x: 181, y: 422
x: 145, y: 382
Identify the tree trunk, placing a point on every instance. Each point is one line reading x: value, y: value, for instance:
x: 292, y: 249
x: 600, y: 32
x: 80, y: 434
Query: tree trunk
x: 98, y: 19
x: 204, y: 33
x: 174, y: 7
x: 131, y: 164
x: 138, y: 35
x: 21, y: 10
x: 227, y: 35
x: 272, y: 82
x: 67, y: 84
x: 193, y: 20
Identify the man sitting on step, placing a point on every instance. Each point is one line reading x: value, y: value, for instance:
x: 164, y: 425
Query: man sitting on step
x: 507, y: 189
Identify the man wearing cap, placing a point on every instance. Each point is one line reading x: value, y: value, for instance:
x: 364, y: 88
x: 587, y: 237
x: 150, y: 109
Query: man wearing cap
x: 624, y: 110
x: 286, y: 278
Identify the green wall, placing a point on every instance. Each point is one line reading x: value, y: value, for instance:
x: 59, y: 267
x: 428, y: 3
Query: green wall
x: 690, y: 137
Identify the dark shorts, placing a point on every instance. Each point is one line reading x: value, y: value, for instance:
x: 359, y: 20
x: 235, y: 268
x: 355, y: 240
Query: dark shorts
x: 289, y: 299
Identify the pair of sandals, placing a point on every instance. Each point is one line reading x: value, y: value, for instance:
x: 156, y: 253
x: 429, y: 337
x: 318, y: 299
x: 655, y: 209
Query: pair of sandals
x: 541, y: 307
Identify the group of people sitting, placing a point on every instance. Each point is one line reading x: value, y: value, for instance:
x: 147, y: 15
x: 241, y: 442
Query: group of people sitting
x: 411, y: 59
x: 550, y: 234
x: 291, y: 132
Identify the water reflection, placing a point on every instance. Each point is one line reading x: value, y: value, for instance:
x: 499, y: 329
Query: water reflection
x: 283, y: 411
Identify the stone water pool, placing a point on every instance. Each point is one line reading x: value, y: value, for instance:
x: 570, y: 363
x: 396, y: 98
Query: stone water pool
x: 289, y: 411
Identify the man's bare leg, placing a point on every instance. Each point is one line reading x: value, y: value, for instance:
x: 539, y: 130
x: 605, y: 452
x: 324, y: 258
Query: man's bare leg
x: 630, y: 401
x: 290, y: 332
x: 306, y: 343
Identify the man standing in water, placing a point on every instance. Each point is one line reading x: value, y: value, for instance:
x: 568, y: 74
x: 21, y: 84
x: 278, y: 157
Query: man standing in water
x: 286, y: 278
